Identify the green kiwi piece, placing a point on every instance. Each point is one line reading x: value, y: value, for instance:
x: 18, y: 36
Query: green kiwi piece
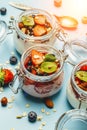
x: 48, y: 67
x: 28, y: 20
x: 82, y: 75
x: 50, y: 57
x: 23, y: 18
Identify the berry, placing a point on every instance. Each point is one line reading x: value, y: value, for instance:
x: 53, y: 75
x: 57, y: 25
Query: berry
x: 3, y: 10
x: 30, y: 63
x: 32, y: 116
x: 83, y: 68
x: 13, y: 60
x: 6, y: 76
x: 4, y: 101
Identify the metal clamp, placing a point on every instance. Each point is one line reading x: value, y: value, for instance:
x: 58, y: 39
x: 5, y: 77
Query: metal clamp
x: 11, y: 84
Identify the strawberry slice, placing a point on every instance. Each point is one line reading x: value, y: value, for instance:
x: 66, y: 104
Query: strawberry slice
x: 40, y: 19
x: 83, y: 68
x: 6, y: 76
x: 39, y: 30
x: 37, y: 57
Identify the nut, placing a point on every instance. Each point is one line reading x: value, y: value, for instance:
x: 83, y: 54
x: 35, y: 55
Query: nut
x: 49, y: 103
x: 4, y: 101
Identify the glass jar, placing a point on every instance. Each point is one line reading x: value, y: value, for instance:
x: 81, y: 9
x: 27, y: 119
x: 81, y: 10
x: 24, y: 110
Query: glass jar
x: 36, y: 85
x: 22, y: 41
x: 72, y: 120
x: 77, y: 88
x: 3, y: 31
x: 76, y: 50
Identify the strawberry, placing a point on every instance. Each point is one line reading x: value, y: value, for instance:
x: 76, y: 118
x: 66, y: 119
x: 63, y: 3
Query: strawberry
x: 37, y: 57
x: 39, y: 30
x: 33, y: 71
x: 6, y: 76
x: 40, y: 19
x: 83, y: 68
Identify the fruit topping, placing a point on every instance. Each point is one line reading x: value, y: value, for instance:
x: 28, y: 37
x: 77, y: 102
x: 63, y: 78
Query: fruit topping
x: 48, y: 67
x: 37, y: 57
x: 82, y: 75
x: 21, y: 25
x: 34, y: 25
x: 6, y: 76
x: 4, y: 101
x: 32, y: 116
x: 13, y: 60
x: 50, y: 57
x: 28, y: 20
x: 83, y: 68
x: 40, y: 19
x: 41, y: 63
x: 39, y: 30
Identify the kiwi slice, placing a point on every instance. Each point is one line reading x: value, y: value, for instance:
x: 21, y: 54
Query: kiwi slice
x: 28, y: 20
x: 23, y: 18
x: 82, y: 75
x: 50, y: 57
x: 48, y: 67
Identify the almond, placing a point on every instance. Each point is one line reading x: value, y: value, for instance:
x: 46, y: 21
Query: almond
x: 49, y: 103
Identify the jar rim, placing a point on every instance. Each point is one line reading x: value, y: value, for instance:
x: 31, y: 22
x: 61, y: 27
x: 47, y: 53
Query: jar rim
x: 42, y: 78
x: 69, y: 115
x: 78, y: 89
x: 38, y: 11
x: 73, y: 48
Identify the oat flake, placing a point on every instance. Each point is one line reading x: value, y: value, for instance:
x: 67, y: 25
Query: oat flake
x: 27, y: 105
x: 12, y: 129
x: 39, y: 118
x: 42, y: 110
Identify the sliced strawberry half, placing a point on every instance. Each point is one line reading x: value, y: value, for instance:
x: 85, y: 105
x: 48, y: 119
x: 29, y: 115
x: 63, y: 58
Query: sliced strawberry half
x: 37, y: 57
x: 83, y: 68
x: 6, y: 76
x: 39, y: 30
x: 40, y: 19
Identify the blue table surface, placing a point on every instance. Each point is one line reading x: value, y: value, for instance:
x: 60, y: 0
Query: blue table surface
x: 8, y: 114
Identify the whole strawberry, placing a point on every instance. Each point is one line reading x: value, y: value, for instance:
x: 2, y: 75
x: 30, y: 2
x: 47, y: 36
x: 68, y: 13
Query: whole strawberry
x: 6, y: 76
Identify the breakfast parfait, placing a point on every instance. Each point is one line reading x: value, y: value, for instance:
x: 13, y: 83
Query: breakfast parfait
x: 42, y: 70
x: 32, y: 27
x: 77, y: 90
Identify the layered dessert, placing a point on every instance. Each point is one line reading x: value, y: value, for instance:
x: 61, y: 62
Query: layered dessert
x: 77, y: 90
x: 43, y: 76
x: 34, y: 27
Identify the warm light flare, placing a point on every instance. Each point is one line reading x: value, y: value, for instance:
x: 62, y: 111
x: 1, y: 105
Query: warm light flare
x: 76, y: 7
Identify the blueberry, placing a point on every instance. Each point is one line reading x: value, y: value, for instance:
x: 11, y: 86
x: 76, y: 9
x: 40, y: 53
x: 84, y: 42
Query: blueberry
x: 3, y: 10
x: 32, y: 116
x: 30, y: 62
x: 13, y: 60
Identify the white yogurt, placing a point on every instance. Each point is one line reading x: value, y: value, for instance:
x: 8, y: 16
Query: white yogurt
x: 22, y: 45
x: 73, y: 100
x: 38, y: 89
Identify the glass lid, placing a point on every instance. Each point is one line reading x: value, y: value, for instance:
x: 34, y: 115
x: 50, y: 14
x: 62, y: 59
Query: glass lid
x: 72, y: 120
x: 76, y: 51
x: 3, y: 30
